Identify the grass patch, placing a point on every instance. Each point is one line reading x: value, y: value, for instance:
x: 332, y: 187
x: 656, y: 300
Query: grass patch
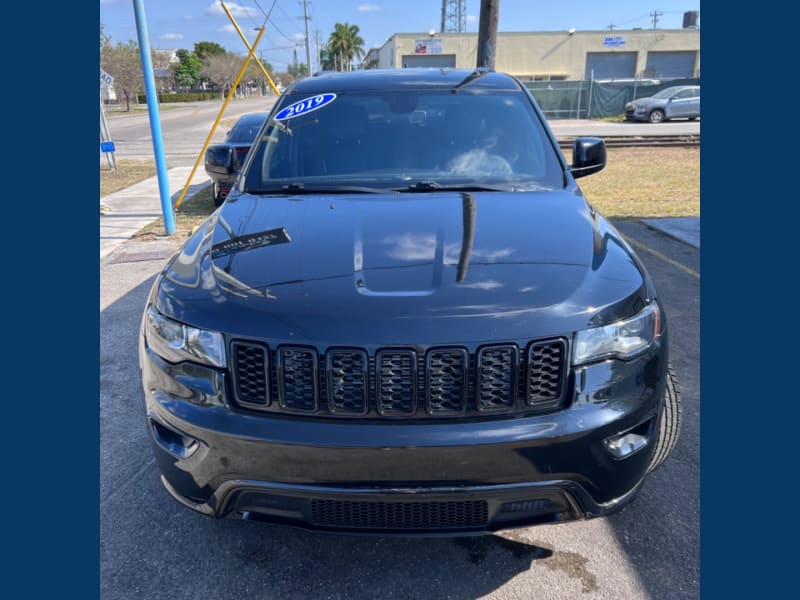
x: 128, y: 172
x: 614, y: 119
x: 191, y: 213
x: 140, y: 109
x: 646, y: 182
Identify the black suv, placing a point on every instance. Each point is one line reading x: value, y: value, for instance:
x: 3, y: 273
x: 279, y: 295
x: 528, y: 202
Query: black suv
x: 406, y: 318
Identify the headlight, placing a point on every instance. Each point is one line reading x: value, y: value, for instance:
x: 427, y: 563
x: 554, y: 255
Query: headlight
x: 177, y: 342
x: 624, y: 339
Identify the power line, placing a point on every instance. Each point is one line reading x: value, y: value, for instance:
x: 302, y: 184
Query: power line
x: 632, y: 20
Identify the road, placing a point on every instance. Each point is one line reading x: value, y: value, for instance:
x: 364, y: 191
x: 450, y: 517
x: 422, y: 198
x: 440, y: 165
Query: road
x: 185, y: 129
x: 151, y: 547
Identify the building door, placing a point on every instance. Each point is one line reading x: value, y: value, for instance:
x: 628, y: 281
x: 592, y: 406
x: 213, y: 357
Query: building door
x: 670, y: 65
x: 610, y: 65
x: 434, y: 61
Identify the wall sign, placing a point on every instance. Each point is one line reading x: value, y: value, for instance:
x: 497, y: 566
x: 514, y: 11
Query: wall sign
x: 428, y: 46
x: 613, y: 41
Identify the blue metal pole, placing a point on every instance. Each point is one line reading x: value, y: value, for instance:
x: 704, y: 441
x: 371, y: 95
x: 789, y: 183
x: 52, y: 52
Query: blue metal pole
x: 155, y: 120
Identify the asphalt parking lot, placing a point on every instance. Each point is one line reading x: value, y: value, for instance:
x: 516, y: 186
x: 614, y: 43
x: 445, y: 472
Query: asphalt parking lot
x: 151, y: 547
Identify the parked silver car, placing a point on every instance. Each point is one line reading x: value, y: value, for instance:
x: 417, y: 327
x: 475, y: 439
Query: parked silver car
x: 677, y: 102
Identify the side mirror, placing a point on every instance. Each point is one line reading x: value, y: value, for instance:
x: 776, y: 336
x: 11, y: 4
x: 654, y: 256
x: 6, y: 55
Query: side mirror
x: 219, y: 159
x: 588, y: 156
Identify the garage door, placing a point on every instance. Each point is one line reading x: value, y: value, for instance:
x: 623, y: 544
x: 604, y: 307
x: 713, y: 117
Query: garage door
x: 670, y: 65
x: 434, y: 61
x: 610, y: 65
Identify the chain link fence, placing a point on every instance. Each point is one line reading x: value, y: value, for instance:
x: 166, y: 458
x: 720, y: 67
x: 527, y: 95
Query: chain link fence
x: 595, y: 99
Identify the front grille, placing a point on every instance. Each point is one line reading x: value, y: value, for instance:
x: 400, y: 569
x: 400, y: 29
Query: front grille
x: 250, y: 368
x: 400, y: 515
x: 401, y: 383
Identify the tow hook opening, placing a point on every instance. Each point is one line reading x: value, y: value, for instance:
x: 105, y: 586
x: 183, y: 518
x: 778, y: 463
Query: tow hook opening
x: 175, y: 443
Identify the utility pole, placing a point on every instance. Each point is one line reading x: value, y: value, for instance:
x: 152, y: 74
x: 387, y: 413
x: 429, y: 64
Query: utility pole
x: 319, y: 50
x: 611, y: 26
x: 487, y: 33
x: 655, y: 14
x: 308, y: 40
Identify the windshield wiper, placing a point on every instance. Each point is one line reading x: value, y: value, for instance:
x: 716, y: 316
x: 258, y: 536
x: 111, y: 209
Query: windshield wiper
x: 476, y: 74
x: 296, y: 189
x: 433, y: 186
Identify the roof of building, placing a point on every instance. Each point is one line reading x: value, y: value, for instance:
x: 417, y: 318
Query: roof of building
x: 387, y: 79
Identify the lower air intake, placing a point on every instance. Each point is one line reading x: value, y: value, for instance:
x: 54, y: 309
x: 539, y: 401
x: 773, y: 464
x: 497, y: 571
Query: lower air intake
x: 400, y: 515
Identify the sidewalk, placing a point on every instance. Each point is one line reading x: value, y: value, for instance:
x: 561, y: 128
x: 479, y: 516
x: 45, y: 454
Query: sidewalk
x: 685, y: 229
x: 125, y: 212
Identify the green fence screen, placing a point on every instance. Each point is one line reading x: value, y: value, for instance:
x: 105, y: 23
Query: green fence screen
x: 586, y: 99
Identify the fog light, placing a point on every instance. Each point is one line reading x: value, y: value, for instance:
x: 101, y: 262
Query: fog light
x: 629, y: 442
x: 625, y: 445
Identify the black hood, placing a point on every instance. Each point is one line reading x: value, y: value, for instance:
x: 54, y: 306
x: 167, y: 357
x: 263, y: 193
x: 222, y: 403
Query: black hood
x: 324, y: 270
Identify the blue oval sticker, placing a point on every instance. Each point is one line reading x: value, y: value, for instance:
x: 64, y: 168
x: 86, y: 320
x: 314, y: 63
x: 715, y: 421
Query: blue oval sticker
x: 305, y: 106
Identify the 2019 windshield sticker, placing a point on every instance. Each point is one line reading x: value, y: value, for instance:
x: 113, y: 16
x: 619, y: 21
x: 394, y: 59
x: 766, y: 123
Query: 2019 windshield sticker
x: 305, y: 106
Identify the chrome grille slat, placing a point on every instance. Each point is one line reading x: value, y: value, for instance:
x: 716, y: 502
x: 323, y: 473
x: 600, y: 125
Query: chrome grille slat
x: 251, y: 368
x: 546, y: 372
x: 298, y: 378
x: 497, y: 377
x: 446, y: 381
x: 396, y: 374
x: 348, y: 380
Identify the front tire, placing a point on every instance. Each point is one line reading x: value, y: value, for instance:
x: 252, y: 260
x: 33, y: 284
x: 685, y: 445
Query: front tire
x: 656, y: 115
x: 669, y: 425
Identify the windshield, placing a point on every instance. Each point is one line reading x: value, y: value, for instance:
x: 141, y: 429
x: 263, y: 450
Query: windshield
x: 245, y: 130
x: 397, y: 140
x: 666, y: 93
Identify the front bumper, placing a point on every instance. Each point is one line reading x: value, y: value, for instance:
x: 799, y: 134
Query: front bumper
x: 441, y: 477
x: 636, y: 115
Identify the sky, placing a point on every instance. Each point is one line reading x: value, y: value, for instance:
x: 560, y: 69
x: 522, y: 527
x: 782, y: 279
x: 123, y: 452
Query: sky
x: 180, y: 23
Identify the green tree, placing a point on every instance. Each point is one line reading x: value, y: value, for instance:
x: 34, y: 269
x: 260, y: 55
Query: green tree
x: 187, y: 71
x: 297, y: 70
x: 345, y: 45
x: 124, y: 64
x: 326, y: 59
x: 205, y: 49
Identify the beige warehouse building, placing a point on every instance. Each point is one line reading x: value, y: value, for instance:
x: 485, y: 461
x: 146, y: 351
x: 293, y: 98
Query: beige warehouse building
x: 553, y: 55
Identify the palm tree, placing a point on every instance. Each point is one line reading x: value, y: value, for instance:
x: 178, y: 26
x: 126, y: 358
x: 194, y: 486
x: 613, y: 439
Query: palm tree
x: 345, y: 45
